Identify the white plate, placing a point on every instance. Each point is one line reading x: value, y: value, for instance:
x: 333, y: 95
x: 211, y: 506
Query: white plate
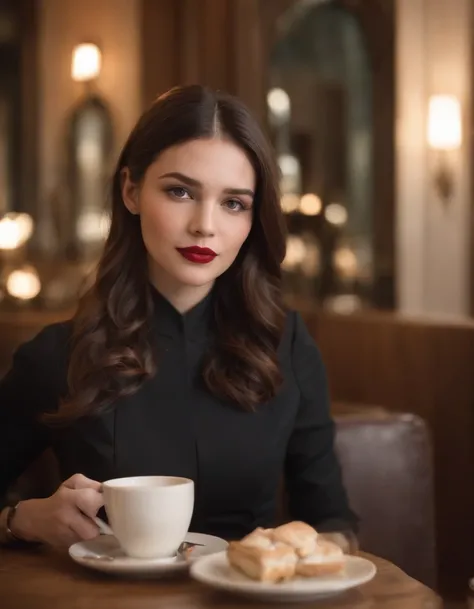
x: 108, y: 547
x: 216, y: 572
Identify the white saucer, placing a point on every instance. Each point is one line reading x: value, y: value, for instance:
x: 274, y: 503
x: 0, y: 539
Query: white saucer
x: 107, y: 547
x: 216, y: 572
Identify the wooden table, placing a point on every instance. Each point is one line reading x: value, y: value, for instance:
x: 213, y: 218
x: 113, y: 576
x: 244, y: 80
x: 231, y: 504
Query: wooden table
x: 48, y: 579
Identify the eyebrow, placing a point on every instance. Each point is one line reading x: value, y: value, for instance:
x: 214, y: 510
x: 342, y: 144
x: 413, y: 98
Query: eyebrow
x: 192, y: 182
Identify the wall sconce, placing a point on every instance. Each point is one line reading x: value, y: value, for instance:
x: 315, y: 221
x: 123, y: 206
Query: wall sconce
x: 444, y: 134
x: 86, y: 62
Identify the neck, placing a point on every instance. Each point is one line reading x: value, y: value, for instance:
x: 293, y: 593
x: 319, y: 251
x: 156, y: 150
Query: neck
x: 182, y: 297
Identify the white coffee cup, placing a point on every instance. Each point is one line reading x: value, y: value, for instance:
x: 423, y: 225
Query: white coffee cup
x: 149, y: 515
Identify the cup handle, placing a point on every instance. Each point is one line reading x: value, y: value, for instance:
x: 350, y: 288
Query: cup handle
x: 103, y: 526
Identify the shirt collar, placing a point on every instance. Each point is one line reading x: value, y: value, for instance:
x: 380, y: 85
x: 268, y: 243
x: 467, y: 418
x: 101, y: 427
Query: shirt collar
x: 194, y: 324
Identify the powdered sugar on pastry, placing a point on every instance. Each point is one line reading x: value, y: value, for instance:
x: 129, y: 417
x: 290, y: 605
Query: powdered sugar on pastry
x: 260, y: 538
x: 327, y: 558
x: 269, y: 564
x: 324, y: 552
x: 299, y: 535
x: 272, y: 555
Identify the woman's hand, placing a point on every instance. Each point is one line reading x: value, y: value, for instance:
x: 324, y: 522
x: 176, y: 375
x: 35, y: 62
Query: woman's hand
x: 62, y: 519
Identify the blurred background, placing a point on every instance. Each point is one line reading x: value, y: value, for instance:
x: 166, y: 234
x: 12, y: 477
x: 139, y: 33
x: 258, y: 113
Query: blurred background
x: 368, y: 104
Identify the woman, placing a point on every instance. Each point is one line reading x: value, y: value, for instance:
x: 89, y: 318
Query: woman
x: 181, y: 359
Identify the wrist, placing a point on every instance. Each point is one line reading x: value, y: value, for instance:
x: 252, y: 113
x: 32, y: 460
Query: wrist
x: 20, y: 522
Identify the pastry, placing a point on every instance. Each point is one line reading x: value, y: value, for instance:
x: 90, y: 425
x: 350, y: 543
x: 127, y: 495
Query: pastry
x: 272, y: 555
x: 299, y: 535
x: 327, y: 558
x: 260, y: 538
x: 262, y: 559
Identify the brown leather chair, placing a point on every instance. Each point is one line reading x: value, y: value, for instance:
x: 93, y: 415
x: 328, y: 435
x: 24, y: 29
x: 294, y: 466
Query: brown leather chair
x: 387, y: 468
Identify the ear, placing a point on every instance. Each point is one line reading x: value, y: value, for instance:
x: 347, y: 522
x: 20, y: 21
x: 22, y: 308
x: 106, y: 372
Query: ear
x: 130, y: 192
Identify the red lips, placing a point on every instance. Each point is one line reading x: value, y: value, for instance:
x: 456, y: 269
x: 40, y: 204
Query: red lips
x: 198, y: 255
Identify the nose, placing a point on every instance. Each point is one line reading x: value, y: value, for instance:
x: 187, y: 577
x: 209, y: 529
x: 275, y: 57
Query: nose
x: 203, y: 220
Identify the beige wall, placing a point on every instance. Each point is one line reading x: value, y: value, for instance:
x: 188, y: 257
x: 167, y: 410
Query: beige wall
x: 115, y: 26
x: 434, y: 39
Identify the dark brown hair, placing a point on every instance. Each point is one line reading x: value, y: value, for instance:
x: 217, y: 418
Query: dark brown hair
x: 111, y: 355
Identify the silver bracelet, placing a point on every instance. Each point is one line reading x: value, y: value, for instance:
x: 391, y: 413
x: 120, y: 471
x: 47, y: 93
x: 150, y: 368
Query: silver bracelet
x: 6, y: 517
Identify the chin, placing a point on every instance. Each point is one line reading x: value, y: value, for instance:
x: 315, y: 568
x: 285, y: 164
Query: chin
x: 195, y: 277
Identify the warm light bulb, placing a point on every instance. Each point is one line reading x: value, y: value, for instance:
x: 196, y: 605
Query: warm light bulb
x: 310, y: 205
x: 295, y: 252
x: 15, y: 230
x: 336, y: 214
x: 289, y: 203
x: 86, y: 62
x: 444, y: 122
x: 93, y: 226
x: 346, y: 263
x: 24, y: 283
x: 278, y: 102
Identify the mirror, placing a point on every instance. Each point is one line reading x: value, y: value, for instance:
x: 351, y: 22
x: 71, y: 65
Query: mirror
x: 320, y: 112
x: 90, y: 147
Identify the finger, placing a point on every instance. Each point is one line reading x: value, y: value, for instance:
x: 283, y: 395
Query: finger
x: 64, y: 537
x: 79, y: 481
x: 83, y: 527
x: 88, y: 501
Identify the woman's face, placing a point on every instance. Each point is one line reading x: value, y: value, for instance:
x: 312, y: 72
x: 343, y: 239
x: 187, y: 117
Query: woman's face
x: 195, y: 205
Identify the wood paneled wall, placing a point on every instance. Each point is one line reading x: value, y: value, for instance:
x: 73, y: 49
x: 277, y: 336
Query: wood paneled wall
x: 211, y: 42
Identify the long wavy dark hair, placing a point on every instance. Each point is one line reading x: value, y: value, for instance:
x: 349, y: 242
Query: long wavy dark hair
x: 111, y: 352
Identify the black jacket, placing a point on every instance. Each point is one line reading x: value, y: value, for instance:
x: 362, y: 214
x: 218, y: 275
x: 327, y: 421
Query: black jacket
x: 173, y: 426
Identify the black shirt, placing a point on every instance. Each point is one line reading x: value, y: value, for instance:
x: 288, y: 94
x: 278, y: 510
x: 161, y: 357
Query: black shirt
x: 174, y: 426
